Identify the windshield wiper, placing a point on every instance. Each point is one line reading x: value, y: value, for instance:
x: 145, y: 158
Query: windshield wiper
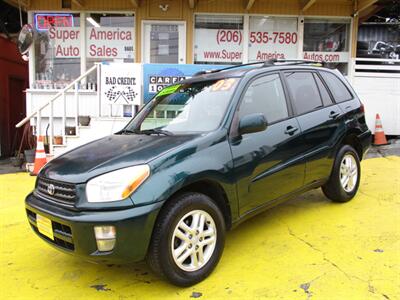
x: 126, y: 131
x: 156, y: 131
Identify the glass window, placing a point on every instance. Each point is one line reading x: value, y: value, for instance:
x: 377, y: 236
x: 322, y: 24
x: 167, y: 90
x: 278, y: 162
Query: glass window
x: 379, y: 39
x: 218, y: 39
x: 265, y: 95
x: 304, y: 91
x: 164, y: 43
x: 187, y: 108
x: 327, y: 40
x: 110, y: 37
x: 338, y: 89
x: 326, y: 98
x: 57, y: 49
x: 272, y: 38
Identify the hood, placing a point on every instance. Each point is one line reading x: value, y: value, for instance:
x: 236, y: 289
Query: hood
x: 108, y: 154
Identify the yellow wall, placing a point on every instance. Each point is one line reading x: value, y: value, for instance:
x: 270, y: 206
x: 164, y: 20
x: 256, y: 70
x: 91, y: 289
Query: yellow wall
x: 180, y: 10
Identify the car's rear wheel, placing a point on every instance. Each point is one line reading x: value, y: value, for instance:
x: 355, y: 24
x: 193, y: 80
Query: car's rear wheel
x: 345, y: 177
x: 188, y: 239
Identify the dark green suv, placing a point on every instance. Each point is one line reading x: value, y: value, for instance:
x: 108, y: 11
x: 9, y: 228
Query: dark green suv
x: 198, y: 159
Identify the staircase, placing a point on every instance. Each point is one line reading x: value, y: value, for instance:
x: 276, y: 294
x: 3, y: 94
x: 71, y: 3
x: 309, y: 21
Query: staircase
x: 63, y: 110
x: 99, y: 127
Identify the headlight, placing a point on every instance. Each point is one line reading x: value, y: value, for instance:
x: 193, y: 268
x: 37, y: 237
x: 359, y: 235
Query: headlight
x: 116, y: 185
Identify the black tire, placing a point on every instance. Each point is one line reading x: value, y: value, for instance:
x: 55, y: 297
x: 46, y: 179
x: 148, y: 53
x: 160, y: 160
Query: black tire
x: 160, y: 257
x: 333, y: 188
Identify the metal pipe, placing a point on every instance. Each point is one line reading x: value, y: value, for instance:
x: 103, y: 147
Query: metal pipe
x: 31, y: 115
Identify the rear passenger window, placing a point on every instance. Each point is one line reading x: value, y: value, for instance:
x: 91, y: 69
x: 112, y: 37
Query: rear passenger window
x: 326, y: 99
x: 304, y: 91
x: 265, y: 95
x: 339, y: 90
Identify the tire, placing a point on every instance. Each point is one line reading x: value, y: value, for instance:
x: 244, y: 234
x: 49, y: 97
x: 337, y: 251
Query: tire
x: 336, y: 188
x: 168, y: 236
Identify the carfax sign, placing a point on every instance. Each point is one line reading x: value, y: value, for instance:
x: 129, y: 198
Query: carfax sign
x: 158, y: 76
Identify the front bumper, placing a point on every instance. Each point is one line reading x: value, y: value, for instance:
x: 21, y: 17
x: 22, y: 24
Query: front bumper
x: 73, y: 230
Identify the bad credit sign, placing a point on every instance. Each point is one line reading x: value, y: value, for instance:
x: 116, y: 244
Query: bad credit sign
x: 102, y: 42
x: 121, y: 84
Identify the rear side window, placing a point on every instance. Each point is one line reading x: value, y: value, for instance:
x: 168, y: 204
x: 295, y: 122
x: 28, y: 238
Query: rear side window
x: 304, y: 91
x: 265, y: 95
x: 326, y: 99
x: 339, y: 90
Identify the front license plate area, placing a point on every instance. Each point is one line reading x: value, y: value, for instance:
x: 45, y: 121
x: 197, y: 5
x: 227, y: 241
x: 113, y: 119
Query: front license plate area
x: 44, y: 226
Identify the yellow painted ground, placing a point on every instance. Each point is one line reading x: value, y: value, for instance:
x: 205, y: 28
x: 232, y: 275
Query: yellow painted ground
x: 306, y: 248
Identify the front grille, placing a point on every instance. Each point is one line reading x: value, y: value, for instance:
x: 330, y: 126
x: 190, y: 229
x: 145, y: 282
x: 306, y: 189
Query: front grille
x: 60, y: 192
x: 62, y: 233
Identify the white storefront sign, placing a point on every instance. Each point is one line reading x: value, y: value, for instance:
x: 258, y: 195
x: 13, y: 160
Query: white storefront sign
x: 121, y: 84
x: 329, y: 57
x: 111, y: 42
x: 218, y: 45
x: 103, y: 42
x: 272, y: 38
x: 65, y: 41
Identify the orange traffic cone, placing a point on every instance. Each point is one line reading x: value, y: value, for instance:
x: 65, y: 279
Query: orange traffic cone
x: 40, y: 156
x: 380, y: 138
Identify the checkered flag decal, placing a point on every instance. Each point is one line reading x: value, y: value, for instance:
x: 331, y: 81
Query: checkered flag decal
x: 112, y: 95
x: 128, y: 94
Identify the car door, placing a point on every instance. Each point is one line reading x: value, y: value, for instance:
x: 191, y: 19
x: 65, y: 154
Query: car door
x: 320, y: 119
x: 267, y: 164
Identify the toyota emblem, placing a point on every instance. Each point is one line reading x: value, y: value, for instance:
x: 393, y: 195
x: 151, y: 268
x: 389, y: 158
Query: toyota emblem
x: 51, y: 189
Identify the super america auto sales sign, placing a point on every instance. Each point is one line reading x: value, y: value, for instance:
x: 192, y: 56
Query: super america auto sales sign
x: 103, y: 42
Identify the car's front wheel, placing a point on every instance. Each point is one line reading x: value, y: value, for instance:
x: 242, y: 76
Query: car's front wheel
x: 188, y: 239
x: 345, y: 177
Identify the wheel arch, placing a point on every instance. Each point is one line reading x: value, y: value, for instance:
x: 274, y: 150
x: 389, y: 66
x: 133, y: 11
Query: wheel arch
x: 212, y: 189
x: 352, y: 140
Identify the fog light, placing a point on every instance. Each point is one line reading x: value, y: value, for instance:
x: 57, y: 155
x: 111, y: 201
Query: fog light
x: 105, y: 237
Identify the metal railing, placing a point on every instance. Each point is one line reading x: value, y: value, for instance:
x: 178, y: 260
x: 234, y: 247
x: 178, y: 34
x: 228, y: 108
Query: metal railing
x: 62, y: 93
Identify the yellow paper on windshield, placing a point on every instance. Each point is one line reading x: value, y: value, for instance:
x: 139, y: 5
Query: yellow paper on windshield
x: 168, y: 90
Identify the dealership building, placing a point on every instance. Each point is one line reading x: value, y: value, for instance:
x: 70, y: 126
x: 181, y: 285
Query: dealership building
x: 75, y: 39
x: 80, y: 33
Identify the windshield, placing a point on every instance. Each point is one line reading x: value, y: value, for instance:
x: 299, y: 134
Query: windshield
x: 185, y: 108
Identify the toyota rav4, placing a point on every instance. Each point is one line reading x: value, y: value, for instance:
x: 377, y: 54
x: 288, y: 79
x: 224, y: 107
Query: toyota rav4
x: 201, y: 157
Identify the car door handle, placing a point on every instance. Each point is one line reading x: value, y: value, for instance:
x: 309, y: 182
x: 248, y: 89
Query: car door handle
x: 334, y: 114
x: 290, y: 130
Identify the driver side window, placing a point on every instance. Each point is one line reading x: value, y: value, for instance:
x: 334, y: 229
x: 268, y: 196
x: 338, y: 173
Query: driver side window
x: 265, y: 95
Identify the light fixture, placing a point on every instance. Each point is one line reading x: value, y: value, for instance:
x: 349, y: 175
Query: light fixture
x: 164, y: 7
x: 92, y: 21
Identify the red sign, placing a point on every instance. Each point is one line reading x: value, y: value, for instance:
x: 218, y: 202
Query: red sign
x: 46, y: 21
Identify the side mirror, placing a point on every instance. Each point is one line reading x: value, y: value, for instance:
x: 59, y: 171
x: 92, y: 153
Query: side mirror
x: 252, y: 123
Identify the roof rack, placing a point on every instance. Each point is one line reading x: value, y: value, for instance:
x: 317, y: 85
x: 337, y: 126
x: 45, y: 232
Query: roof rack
x: 266, y: 63
x: 300, y: 62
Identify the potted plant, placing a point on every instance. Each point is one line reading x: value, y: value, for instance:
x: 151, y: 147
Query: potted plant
x: 84, y: 120
x: 29, y: 153
x: 58, y: 140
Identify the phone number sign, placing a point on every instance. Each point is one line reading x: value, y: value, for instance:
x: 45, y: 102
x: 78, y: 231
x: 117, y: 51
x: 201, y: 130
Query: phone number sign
x: 272, y: 38
x: 269, y: 38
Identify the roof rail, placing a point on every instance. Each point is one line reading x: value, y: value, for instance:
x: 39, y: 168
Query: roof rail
x: 266, y: 63
x: 300, y: 62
